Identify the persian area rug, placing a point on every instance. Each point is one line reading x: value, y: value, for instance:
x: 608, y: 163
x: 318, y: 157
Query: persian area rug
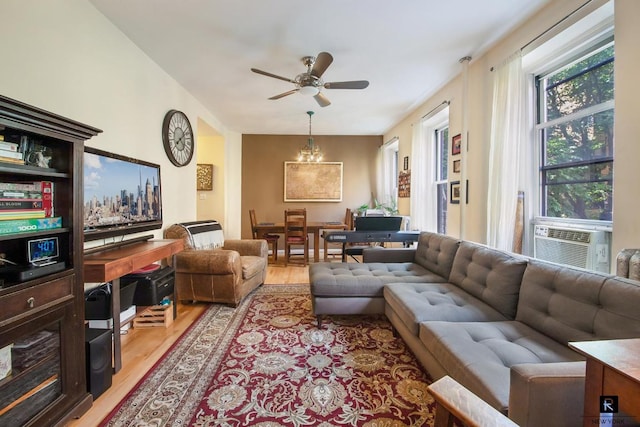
x: 265, y: 363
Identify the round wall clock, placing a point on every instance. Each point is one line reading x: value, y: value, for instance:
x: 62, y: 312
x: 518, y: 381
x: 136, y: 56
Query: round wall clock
x: 177, y: 138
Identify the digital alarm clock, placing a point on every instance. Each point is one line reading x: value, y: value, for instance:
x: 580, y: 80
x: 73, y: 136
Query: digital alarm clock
x: 42, y: 251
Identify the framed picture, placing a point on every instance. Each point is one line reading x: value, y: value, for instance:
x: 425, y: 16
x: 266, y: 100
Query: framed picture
x: 406, y: 162
x: 454, y: 193
x: 204, y: 174
x: 404, y: 184
x: 456, y: 166
x: 455, y: 144
x: 312, y: 182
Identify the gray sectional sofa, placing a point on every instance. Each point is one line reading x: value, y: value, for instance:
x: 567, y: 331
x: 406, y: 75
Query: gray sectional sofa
x: 496, y: 322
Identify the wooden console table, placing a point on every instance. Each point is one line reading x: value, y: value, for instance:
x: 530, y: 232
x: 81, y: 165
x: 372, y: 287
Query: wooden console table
x: 613, y: 369
x: 111, y: 264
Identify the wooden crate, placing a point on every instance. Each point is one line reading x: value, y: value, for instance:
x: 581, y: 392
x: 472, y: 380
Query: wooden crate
x: 154, y: 316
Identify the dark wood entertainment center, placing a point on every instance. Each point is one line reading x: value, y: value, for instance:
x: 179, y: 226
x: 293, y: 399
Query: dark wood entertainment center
x: 42, y: 315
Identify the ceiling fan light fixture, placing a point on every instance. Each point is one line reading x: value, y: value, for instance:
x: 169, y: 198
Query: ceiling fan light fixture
x: 309, y: 90
x: 310, y: 82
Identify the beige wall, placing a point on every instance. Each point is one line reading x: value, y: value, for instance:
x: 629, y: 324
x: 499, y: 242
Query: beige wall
x: 263, y: 158
x: 211, y: 150
x: 626, y: 230
x: 626, y: 197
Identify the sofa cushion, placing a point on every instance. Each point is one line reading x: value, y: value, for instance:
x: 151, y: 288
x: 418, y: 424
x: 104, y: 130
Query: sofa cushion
x: 355, y: 279
x: 480, y: 355
x: 252, y: 265
x: 436, y: 252
x: 561, y: 302
x: 418, y: 302
x: 490, y: 275
x: 618, y: 314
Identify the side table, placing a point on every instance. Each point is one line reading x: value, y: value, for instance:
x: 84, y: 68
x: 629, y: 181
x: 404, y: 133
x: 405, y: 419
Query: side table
x: 613, y: 369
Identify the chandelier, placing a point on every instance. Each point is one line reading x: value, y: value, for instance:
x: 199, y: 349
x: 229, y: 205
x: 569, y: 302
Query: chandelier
x: 310, y: 152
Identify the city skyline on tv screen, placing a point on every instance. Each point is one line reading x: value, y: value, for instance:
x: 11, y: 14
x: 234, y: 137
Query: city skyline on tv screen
x: 119, y: 191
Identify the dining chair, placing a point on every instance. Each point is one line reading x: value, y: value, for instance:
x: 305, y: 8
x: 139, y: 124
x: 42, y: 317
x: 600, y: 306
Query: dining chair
x: 272, y: 239
x: 295, y: 233
x: 348, y: 220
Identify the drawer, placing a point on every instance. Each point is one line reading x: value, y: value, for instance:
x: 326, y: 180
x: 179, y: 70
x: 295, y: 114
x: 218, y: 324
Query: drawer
x: 36, y: 298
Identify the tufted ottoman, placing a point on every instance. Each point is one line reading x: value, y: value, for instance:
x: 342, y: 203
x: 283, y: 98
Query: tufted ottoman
x: 353, y: 288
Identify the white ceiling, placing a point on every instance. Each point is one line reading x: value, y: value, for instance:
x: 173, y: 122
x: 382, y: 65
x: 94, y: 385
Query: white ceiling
x: 406, y: 49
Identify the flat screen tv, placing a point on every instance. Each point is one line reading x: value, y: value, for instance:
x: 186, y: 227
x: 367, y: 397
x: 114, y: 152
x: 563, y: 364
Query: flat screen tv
x: 122, y: 195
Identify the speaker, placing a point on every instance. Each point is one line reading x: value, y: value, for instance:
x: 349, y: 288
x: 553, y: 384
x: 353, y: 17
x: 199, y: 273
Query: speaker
x: 97, y: 344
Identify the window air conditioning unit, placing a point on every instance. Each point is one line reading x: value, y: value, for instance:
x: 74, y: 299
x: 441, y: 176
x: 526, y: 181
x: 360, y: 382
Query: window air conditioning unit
x: 588, y: 249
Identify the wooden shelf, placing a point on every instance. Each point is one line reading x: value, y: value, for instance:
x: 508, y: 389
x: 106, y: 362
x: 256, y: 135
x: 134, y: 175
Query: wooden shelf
x: 52, y: 388
x: 27, y: 170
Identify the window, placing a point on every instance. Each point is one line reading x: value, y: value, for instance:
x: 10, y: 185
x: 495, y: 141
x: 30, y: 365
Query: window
x: 441, y: 168
x: 575, y: 114
x: 387, y: 179
x: 429, y: 154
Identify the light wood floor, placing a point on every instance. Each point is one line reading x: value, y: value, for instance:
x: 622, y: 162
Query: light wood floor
x: 141, y: 348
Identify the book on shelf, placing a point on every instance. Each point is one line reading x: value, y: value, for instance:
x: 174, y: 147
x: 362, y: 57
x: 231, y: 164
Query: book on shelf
x: 22, y: 186
x: 13, y: 194
x: 6, y: 204
x: 11, y: 154
x: 29, y: 191
x: 9, y: 146
x: 4, y: 159
x: 22, y: 214
x: 26, y: 225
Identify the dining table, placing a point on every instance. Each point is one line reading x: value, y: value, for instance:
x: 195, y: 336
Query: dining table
x: 313, y: 227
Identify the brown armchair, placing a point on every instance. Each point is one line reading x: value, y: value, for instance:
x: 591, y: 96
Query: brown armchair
x: 213, y: 269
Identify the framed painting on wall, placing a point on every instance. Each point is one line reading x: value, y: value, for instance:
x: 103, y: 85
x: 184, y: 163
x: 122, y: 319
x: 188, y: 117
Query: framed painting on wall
x: 404, y: 184
x: 456, y: 142
x: 456, y: 166
x: 313, y: 181
x: 454, y: 197
x: 204, y: 173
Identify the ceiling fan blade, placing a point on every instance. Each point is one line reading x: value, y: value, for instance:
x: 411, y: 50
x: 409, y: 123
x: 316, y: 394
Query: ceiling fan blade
x: 323, y: 60
x: 356, y: 84
x: 264, y: 73
x: 322, y: 100
x: 282, y: 95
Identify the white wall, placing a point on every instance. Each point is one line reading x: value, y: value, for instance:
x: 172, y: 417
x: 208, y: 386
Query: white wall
x: 626, y: 232
x: 65, y: 57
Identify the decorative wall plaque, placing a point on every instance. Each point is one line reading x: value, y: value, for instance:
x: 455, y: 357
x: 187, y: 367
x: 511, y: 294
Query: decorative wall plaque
x: 205, y: 177
x: 404, y: 184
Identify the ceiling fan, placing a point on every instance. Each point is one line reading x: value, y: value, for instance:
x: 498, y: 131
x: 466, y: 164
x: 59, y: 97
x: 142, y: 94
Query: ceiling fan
x: 310, y: 82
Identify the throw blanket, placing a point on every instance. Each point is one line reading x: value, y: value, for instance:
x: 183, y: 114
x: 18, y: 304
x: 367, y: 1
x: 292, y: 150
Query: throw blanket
x: 205, y: 234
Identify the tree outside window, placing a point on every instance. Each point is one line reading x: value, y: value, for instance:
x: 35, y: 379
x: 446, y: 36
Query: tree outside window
x: 575, y: 125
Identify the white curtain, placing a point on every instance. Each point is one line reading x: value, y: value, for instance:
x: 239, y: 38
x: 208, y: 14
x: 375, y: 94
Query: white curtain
x: 385, y: 180
x: 423, y: 192
x: 508, y: 135
x: 380, y: 172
